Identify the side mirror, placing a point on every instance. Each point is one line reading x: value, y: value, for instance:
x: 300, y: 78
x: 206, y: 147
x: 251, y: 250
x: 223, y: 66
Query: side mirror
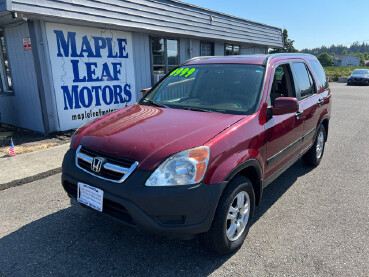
x: 285, y: 105
x: 144, y: 91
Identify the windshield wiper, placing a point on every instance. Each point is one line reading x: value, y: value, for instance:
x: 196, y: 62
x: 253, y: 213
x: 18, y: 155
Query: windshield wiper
x: 198, y: 109
x: 152, y: 103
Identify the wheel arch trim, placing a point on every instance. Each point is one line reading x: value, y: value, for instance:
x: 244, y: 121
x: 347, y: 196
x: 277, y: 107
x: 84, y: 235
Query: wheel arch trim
x: 250, y: 164
x: 325, y: 117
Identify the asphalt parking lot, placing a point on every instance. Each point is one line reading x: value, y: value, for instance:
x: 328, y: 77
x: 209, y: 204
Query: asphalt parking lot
x: 311, y: 221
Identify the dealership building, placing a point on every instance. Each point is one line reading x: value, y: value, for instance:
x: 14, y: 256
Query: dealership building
x: 64, y: 62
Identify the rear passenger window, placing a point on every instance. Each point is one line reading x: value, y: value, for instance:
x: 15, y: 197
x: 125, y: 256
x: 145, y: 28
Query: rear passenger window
x: 319, y: 71
x: 303, y: 81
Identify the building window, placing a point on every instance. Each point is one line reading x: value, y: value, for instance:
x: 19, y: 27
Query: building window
x: 6, y: 79
x: 164, y: 56
x: 207, y: 49
x: 232, y: 49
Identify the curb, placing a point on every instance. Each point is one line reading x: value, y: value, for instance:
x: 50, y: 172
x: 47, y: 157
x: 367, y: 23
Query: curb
x: 29, y: 179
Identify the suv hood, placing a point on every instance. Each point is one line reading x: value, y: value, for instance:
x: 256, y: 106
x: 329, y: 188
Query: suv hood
x: 149, y: 134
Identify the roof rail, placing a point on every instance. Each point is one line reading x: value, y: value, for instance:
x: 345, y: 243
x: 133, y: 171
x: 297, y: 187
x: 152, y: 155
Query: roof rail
x: 199, y: 58
x: 289, y: 54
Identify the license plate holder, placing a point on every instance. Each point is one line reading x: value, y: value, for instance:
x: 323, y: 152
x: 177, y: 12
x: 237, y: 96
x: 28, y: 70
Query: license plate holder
x: 90, y: 196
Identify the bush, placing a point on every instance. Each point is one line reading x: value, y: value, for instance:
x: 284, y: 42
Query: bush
x: 335, y: 72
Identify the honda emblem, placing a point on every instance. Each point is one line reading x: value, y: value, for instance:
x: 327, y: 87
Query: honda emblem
x: 96, y: 164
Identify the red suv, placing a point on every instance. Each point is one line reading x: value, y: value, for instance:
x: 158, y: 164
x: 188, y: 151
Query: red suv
x: 195, y: 153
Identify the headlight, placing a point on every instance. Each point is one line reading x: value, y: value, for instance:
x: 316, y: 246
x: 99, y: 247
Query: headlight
x: 184, y: 168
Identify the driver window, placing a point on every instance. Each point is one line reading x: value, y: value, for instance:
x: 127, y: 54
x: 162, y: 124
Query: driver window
x: 282, y: 83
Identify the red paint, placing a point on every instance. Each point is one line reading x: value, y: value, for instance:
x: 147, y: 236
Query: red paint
x: 284, y: 105
x: 150, y: 134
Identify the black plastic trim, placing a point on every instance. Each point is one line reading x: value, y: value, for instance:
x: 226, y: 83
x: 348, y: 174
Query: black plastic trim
x: 327, y: 116
x: 308, y: 134
x: 285, y: 167
x: 283, y: 151
x: 249, y: 163
x: 147, y: 206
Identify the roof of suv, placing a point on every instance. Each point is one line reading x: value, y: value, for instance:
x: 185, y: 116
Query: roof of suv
x: 260, y: 59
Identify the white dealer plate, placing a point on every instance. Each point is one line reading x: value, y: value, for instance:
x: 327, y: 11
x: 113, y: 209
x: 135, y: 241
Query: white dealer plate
x: 90, y: 196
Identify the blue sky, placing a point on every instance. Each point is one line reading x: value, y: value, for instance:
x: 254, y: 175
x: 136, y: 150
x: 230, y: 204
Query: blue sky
x: 310, y: 23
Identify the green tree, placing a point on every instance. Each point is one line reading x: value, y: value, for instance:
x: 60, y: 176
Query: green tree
x: 361, y: 57
x: 366, y: 55
x: 287, y: 45
x: 344, y: 52
x: 325, y: 59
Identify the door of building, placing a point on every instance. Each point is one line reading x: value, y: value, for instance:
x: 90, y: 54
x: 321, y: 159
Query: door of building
x: 207, y: 49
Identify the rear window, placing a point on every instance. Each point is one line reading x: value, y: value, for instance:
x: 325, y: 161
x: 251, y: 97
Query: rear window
x: 303, y: 80
x: 319, y: 71
x: 224, y: 88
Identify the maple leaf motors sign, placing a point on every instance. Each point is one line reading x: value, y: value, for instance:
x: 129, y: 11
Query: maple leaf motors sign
x: 92, y: 72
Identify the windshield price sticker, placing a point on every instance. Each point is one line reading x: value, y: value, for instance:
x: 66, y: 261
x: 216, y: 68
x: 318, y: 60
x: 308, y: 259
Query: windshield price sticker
x: 183, y: 72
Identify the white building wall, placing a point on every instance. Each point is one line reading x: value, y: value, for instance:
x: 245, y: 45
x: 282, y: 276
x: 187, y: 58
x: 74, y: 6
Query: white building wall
x: 219, y: 49
x: 249, y: 49
x: 350, y: 61
x: 23, y: 108
x: 142, y: 63
x: 184, y: 48
x: 194, y: 48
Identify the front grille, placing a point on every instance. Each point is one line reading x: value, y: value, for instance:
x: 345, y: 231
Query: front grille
x: 112, y: 168
x: 111, y: 208
x: 358, y: 79
x: 111, y: 158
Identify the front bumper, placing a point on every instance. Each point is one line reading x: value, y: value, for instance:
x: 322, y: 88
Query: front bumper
x: 169, y: 211
x: 358, y: 81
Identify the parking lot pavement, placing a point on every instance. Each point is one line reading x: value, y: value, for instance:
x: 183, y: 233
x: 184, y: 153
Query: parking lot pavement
x: 311, y: 222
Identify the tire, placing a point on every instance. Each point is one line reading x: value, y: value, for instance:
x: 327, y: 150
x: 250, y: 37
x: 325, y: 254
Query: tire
x: 216, y: 238
x: 315, y: 153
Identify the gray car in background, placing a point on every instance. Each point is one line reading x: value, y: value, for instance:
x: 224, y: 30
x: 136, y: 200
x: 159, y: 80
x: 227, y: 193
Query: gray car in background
x: 359, y: 77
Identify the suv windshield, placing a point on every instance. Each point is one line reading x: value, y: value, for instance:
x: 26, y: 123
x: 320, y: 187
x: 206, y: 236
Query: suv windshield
x: 224, y: 88
x: 361, y: 71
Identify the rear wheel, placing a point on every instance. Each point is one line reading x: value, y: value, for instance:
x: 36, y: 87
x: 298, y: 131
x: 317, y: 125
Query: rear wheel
x: 233, y: 217
x: 315, y: 154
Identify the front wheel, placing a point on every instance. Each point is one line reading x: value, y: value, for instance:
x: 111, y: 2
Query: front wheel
x: 233, y: 217
x: 315, y: 154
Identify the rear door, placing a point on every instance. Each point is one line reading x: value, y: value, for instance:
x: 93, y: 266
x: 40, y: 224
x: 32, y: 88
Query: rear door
x: 306, y: 90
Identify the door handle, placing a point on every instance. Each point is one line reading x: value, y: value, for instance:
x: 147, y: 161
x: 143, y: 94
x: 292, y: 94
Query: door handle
x: 298, y: 115
x: 320, y: 102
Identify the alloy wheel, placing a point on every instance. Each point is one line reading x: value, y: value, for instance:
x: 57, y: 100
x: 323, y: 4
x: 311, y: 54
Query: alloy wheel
x: 320, y: 145
x: 238, y: 215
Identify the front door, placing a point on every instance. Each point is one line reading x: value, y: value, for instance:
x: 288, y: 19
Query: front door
x: 284, y: 132
x: 207, y: 49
